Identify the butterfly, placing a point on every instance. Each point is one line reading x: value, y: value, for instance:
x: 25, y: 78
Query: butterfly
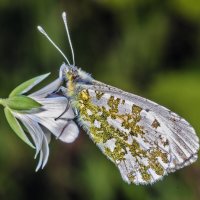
x: 145, y: 141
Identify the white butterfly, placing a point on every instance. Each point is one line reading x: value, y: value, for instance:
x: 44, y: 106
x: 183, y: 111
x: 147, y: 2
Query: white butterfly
x: 143, y: 139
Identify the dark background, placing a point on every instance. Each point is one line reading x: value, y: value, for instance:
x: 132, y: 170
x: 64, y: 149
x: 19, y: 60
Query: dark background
x: 151, y: 48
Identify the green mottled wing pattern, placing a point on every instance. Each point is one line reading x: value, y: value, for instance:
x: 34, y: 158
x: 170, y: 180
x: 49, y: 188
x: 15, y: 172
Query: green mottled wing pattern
x: 144, y: 140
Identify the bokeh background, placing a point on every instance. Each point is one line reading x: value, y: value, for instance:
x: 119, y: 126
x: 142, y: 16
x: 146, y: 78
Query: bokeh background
x: 151, y: 48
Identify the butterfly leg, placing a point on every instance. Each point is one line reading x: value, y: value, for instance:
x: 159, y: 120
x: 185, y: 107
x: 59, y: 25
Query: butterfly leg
x: 63, y: 91
x: 63, y: 130
x: 66, y: 109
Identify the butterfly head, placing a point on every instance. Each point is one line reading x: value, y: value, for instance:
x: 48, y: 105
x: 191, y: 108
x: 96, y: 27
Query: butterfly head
x: 73, y: 75
x: 68, y: 72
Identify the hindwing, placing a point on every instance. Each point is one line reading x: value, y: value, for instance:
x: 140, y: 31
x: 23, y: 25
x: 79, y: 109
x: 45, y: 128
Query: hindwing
x: 144, y: 140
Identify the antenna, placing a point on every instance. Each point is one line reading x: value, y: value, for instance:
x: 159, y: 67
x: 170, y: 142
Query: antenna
x: 64, y: 16
x: 50, y: 40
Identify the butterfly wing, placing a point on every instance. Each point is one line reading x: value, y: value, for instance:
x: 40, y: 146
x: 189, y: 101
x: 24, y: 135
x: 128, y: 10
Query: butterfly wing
x: 144, y: 140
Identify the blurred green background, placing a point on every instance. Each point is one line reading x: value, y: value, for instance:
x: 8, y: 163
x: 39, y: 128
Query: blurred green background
x: 151, y: 48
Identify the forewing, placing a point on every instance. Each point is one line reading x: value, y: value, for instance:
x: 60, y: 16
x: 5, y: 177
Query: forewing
x: 144, y: 140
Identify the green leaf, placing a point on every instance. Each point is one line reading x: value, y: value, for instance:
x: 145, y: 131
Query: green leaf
x: 28, y: 85
x: 22, y: 103
x: 14, y: 124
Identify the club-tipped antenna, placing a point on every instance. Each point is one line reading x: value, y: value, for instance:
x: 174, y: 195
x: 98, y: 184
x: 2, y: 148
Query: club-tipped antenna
x: 64, y: 16
x: 50, y: 40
